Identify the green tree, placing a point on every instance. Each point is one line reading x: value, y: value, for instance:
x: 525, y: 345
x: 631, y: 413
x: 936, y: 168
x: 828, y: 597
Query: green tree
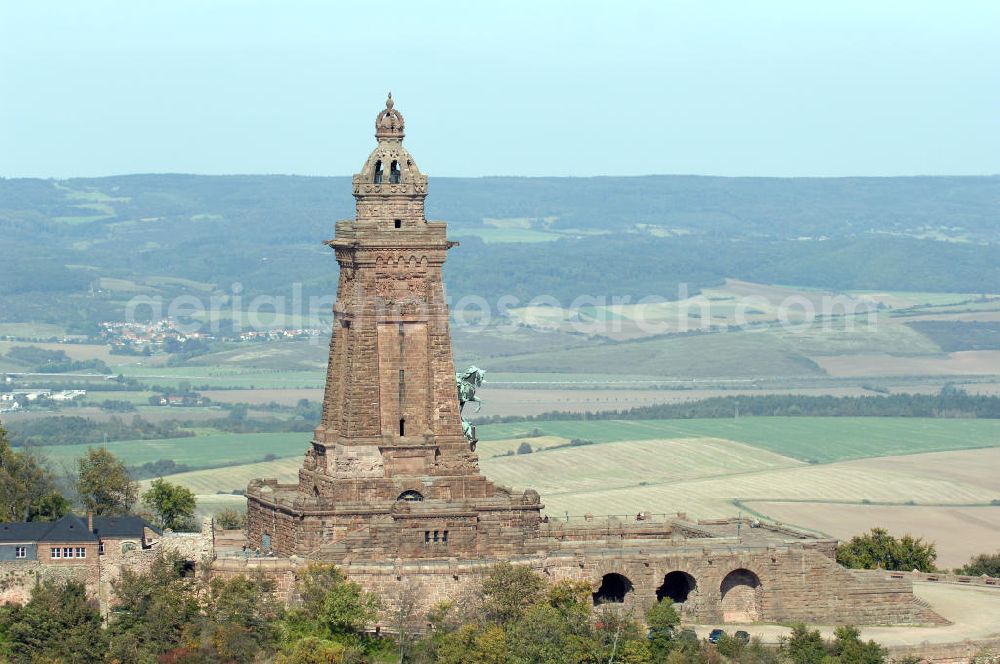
x: 104, y: 484
x: 984, y: 563
x: 312, y: 650
x: 662, y: 619
x: 27, y: 489
x: 508, y: 591
x: 879, y: 549
x: 803, y: 646
x: 173, y: 504
x: 848, y: 648
x: 483, y: 644
x: 543, y: 635
x: 230, y: 518
x: 153, y: 611
x: 58, y: 624
x: 241, y: 619
x: 329, y: 608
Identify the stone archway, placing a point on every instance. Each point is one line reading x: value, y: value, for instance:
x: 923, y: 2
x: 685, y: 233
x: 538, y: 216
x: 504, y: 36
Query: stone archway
x: 741, y: 593
x: 678, y: 586
x: 613, y: 590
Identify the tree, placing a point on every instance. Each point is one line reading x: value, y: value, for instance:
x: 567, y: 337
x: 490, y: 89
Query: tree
x: 524, y: 448
x: 879, y: 549
x: 984, y: 563
x: 848, y: 648
x: 662, y: 619
x: 329, y: 608
x: 803, y: 646
x: 240, y: 619
x: 174, y: 504
x: 27, y: 489
x: 152, y: 611
x: 58, y: 624
x: 230, y: 518
x: 508, y: 591
x: 104, y: 484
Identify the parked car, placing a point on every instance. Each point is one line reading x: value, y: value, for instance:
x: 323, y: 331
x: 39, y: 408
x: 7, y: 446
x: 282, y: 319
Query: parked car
x: 743, y: 636
x: 715, y: 635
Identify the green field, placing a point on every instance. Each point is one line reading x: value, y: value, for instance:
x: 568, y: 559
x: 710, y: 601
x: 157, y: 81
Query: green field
x: 819, y: 439
x: 209, y: 449
x: 735, y: 354
x: 224, y: 377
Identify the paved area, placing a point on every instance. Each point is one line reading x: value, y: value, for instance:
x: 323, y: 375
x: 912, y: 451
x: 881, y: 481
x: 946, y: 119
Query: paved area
x: 974, y: 613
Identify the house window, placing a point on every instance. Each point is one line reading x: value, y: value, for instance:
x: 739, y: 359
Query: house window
x: 67, y: 552
x: 81, y: 552
x: 21, y: 552
x: 56, y: 552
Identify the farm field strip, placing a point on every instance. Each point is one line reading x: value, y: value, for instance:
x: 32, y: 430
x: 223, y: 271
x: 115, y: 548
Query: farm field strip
x: 958, y: 532
x: 211, y: 449
x: 712, y: 497
x: 214, y: 481
x: 626, y: 464
x: 819, y: 439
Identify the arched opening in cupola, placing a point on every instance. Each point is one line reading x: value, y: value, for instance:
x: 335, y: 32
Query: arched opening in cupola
x: 394, y: 173
x: 377, y: 177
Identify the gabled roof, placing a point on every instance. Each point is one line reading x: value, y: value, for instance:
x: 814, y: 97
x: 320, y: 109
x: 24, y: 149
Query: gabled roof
x: 121, y: 526
x: 23, y: 532
x: 69, y: 528
x: 73, y: 528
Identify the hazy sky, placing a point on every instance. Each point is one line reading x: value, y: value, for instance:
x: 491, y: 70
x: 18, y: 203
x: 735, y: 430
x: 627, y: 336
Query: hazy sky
x: 801, y: 87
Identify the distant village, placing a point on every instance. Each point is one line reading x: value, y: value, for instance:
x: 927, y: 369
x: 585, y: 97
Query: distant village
x: 20, y: 391
x: 167, y: 336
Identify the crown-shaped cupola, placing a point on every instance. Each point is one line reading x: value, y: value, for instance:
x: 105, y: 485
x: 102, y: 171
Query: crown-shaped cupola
x: 390, y: 185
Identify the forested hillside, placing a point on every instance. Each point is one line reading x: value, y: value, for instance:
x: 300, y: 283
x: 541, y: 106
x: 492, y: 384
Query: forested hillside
x: 89, y: 245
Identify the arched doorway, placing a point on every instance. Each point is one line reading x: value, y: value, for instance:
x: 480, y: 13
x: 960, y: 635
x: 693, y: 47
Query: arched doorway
x: 741, y: 597
x: 614, y: 588
x: 677, y: 586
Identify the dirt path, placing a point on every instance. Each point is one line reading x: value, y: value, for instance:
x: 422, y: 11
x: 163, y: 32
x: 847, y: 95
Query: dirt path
x: 974, y: 612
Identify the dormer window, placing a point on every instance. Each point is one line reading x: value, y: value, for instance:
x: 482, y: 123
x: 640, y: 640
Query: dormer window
x: 394, y: 173
x: 377, y: 178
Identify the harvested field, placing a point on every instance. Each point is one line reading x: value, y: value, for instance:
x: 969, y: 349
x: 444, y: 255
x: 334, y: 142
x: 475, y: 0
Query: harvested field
x: 209, y: 449
x: 264, y: 396
x: 972, y: 467
x: 77, y: 352
x: 628, y: 464
x: 526, y: 402
x: 967, y: 363
x: 958, y: 532
x: 819, y: 439
x: 710, y: 497
x: 212, y: 481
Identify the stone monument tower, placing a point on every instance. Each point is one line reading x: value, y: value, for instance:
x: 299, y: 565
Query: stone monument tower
x: 389, y: 472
